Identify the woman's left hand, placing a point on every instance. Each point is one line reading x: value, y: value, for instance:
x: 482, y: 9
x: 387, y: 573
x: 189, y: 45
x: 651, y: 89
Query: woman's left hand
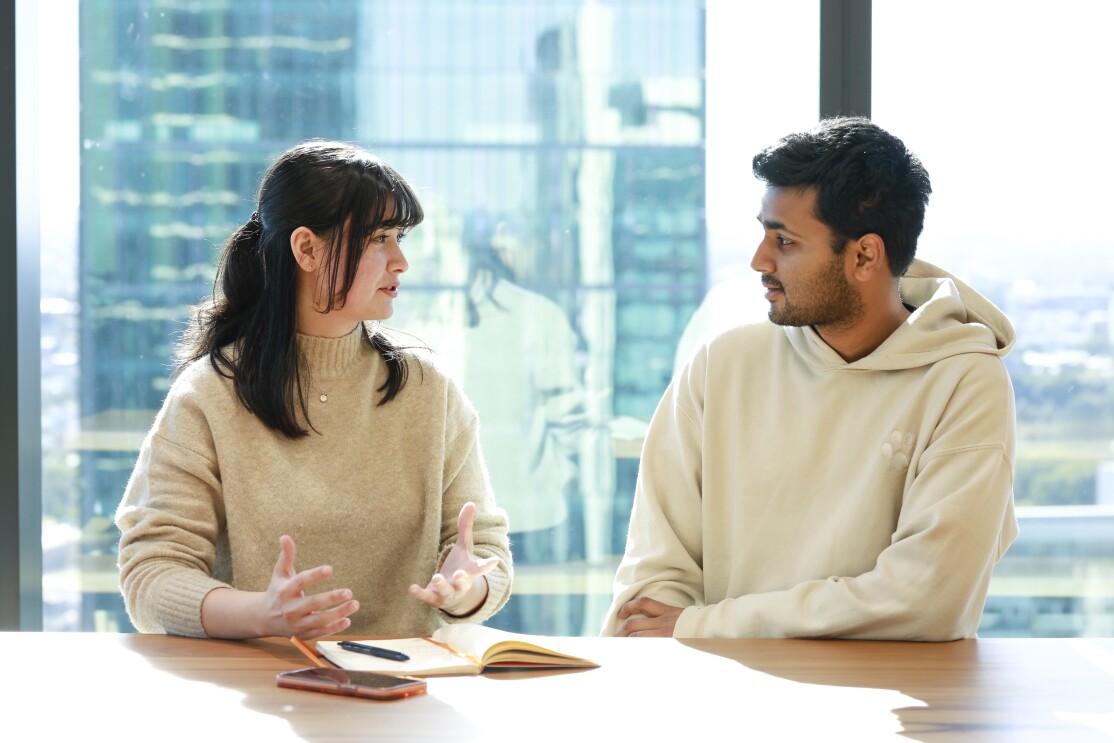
x: 460, y: 588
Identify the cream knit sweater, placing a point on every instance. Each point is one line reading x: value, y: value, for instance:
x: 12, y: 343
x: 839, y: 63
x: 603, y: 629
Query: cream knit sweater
x: 375, y: 493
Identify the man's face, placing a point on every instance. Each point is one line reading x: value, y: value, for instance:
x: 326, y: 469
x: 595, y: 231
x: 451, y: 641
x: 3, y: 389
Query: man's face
x: 806, y: 281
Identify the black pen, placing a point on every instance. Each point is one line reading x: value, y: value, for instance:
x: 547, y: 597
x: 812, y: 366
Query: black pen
x: 358, y: 647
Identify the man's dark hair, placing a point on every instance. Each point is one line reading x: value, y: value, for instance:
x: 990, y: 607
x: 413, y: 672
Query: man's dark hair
x: 865, y: 180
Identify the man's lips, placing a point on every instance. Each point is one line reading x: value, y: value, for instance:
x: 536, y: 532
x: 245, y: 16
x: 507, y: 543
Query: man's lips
x: 773, y: 291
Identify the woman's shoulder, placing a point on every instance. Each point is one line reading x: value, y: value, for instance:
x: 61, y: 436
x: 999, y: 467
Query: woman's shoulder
x: 198, y: 389
x: 200, y: 376
x: 422, y: 361
x: 198, y: 397
x: 428, y: 379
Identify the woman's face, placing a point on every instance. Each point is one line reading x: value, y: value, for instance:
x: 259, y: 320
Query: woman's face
x: 377, y: 277
x: 373, y: 291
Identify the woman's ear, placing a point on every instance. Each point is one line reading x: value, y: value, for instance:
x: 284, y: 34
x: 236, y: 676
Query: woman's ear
x: 306, y: 248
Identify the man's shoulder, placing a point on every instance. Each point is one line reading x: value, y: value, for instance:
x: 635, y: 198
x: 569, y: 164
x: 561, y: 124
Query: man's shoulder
x: 747, y: 338
x: 748, y: 332
x: 723, y: 360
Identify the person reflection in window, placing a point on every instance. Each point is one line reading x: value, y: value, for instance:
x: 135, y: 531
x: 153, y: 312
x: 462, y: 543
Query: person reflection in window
x: 516, y: 356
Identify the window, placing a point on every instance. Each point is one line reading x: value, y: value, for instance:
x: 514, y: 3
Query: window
x: 559, y: 151
x: 597, y: 154
x: 1010, y: 125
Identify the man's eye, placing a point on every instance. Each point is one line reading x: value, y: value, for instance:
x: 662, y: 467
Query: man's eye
x: 783, y: 241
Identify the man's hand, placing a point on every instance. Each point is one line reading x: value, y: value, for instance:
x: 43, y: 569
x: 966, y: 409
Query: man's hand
x: 460, y: 588
x: 651, y: 618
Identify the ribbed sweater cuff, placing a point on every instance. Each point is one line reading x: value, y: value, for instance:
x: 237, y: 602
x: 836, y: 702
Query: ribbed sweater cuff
x: 180, y: 603
x: 498, y: 591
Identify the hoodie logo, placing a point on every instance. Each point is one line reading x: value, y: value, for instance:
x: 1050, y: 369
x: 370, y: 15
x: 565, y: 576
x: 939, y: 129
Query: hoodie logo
x: 898, y: 449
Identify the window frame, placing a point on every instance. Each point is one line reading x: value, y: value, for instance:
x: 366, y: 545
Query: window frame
x: 21, y: 596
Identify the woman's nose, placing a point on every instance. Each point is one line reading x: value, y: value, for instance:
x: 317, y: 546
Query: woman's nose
x: 399, y: 264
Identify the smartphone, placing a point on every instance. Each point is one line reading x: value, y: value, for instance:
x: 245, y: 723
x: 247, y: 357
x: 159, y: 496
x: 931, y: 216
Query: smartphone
x: 352, y: 683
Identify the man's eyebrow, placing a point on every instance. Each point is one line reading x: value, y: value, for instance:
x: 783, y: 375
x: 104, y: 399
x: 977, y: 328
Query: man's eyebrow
x: 773, y: 224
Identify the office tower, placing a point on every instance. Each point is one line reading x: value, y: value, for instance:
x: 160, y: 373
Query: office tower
x: 580, y: 121
x: 183, y: 105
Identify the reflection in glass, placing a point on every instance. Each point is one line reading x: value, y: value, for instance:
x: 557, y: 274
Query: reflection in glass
x: 577, y: 123
x: 518, y: 360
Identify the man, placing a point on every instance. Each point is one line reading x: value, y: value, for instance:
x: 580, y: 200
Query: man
x: 846, y: 470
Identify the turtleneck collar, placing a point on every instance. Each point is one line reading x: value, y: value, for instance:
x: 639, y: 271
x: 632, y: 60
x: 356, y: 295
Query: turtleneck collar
x: 329, y: 358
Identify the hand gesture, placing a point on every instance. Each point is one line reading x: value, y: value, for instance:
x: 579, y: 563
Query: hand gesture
x: 288, y: 611
x: 651, y: 618
x: 460, y: 588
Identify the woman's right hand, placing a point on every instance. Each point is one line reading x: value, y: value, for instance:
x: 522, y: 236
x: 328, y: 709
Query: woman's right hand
x: 289, y: 612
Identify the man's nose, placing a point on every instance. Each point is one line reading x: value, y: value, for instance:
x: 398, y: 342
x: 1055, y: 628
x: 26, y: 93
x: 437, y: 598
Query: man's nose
x: 760, y: 261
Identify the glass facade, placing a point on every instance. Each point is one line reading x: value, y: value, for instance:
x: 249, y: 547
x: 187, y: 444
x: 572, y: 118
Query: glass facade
x: 1018, y: 210
x: 585, y: 169
x: 562, y: 171
x: 182, y: 107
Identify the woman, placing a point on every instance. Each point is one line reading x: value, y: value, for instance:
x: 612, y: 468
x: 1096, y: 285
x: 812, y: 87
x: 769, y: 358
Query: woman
x: 293, y: 422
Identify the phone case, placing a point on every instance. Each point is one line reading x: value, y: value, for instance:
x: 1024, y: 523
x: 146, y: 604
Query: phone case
x: 352, y: 683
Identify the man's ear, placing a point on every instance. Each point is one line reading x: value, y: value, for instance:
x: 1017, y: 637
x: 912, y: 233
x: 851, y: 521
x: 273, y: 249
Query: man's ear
x: 306, y: 248
x: 868, y: 256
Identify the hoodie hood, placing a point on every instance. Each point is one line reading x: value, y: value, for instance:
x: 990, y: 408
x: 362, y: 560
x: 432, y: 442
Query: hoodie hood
x: 949, y: 318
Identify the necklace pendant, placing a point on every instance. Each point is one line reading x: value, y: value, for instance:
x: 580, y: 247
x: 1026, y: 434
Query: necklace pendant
x: 324, y: 397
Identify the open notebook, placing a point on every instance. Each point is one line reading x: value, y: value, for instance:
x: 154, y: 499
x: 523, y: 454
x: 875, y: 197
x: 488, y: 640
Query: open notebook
x: 458, y: 649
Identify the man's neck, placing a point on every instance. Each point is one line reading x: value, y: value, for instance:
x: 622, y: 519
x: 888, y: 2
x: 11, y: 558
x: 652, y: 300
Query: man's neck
x: 861, y: 339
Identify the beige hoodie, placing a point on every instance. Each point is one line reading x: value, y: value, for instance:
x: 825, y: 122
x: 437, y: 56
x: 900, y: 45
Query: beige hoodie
x: 784, y: 492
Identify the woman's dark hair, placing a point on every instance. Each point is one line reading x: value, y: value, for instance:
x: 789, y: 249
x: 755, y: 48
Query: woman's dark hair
x: 865, y: 180
x: 247, y: 328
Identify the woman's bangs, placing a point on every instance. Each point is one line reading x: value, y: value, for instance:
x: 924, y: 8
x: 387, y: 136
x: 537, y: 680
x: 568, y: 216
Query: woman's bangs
x: 380, y: 199
x: 408, y: 212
